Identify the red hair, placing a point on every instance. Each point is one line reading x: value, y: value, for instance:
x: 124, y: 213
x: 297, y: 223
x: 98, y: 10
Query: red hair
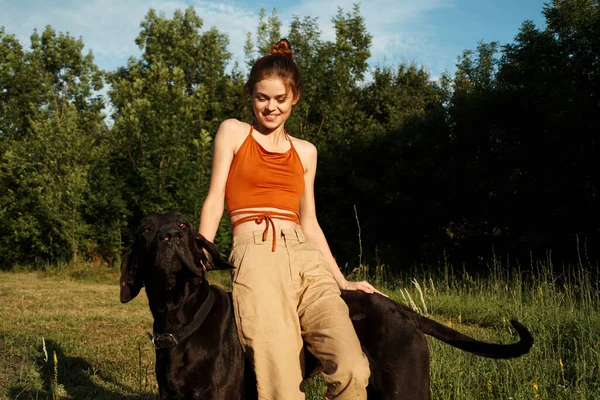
x: 279, y: 64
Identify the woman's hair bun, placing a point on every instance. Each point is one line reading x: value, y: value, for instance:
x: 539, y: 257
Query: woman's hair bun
x: 282, y: 47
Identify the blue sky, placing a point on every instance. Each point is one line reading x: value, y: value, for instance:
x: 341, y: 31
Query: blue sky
x: 432, y: 33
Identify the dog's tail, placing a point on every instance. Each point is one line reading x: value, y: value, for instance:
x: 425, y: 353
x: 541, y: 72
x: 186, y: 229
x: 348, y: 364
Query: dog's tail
x: 464, y: 342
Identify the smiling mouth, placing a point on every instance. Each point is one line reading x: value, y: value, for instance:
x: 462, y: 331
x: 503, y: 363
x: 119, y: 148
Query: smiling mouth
x: 271, y: 117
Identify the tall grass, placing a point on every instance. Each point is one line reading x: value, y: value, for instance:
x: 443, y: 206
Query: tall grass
x: 559, y: 304
x: 101, y: 351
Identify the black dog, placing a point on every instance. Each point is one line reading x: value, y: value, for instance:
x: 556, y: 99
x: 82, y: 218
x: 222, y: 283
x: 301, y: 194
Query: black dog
x: 198, y: 355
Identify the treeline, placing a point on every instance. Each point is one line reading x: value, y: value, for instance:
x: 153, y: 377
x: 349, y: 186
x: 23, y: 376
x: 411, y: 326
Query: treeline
x: 498, y: 158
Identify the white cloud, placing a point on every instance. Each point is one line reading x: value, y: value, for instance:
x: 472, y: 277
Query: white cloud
x: 400, y: 29
x: 231, y: 18
x: 109, y: 27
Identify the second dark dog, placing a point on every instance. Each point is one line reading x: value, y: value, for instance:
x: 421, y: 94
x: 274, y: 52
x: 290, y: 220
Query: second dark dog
x: 198, y: 355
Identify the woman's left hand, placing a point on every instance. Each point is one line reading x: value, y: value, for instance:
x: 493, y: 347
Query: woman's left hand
x: 362, y: 285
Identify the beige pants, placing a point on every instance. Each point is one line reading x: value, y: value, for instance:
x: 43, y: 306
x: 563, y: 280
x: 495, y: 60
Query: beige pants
x: 283, y: 297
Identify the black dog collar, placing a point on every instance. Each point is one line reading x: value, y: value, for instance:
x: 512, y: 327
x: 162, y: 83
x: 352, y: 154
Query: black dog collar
x: 165, y: 340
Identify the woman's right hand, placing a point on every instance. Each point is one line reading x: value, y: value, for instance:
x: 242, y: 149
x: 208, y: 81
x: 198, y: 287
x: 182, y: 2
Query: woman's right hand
x: 363, y: 286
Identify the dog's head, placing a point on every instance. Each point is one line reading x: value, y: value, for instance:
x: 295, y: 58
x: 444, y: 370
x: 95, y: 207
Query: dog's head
x: 166, y: 252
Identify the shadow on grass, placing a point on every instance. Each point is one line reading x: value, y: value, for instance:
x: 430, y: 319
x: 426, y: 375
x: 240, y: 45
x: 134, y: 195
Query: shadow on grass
x: 76, y: 380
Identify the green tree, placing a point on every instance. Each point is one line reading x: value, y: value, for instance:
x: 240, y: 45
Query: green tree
x: 477, y: 147
x: 267, y: 33
x: 523, y: 131
x: 17, y: 92
x: 394, y: 173
x: 51, y: 125
x: 548, y: 79
x: 167, y: 107
x: 311, y: 58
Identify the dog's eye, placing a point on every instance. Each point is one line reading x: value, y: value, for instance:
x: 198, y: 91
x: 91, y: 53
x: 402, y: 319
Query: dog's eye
x: 147, y: 231
x: 183, y: 225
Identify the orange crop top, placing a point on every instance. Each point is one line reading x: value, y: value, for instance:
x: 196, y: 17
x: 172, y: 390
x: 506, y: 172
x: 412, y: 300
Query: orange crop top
x: 261, y: 178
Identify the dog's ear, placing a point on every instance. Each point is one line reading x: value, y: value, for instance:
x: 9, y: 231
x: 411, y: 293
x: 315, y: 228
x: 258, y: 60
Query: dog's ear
x: 131, y: 282
x: 210, y: 256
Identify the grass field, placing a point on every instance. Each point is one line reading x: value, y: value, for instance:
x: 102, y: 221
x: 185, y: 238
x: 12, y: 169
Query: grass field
x: 64, y: 334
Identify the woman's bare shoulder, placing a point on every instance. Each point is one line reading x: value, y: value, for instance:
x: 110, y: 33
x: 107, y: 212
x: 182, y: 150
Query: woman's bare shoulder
x: 232, y: 133
x: 303, y: 146
x: 306, y: 151
x: 233, y: 127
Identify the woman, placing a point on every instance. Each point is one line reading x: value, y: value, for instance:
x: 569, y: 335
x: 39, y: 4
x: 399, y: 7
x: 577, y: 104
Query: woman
x: 286, y: 286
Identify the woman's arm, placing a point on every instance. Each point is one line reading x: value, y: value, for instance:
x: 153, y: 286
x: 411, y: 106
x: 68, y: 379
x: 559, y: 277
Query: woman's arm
x: 312, y: 229
x: 223, y: 153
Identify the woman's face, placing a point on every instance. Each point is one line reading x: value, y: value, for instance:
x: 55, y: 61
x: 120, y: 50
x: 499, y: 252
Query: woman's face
x: 272, y: 102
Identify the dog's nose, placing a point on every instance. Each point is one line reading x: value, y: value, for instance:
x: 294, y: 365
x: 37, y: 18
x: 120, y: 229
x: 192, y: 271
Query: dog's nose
x: 170, y: 234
